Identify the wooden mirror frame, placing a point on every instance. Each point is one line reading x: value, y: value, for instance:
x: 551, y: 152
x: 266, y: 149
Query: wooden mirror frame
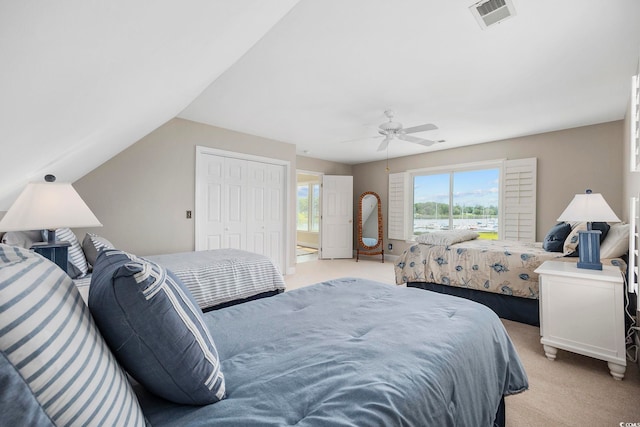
x: 362, y: 248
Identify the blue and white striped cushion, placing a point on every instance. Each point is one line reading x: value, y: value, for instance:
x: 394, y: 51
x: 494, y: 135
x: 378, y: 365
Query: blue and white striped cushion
x: 91, y: 246
x: 155, y: 328
x: 49, y: 339
x: 77, y: 264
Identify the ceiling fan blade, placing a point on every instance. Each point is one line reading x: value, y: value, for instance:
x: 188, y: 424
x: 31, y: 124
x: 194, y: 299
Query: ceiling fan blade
x: 425, y: 142
x: 385, y: 143
x: 421, y: 128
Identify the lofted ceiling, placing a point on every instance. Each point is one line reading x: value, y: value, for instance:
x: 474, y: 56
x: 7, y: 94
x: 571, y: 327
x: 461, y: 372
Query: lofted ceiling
x: 81, y: 81
x: 327, y: 72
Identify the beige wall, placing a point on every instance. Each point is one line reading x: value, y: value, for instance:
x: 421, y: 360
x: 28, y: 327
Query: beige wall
x: 309, y: 164
x: 569, y: 161
x: 141, y: 195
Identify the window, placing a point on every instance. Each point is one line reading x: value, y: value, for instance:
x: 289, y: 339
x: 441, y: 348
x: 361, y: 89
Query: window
x: 496, y: 198
x: 457, y: 200
x: 308, y: 207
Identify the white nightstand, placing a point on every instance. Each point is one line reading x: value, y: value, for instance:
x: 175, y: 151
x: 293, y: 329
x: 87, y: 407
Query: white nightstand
x: 582, y: 311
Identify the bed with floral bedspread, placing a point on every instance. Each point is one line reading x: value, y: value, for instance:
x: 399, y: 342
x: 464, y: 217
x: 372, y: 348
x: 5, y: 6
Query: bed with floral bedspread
x: 474, y: 268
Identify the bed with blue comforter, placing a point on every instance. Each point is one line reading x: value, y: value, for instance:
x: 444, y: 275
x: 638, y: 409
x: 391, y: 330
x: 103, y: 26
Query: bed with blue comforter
x: 352, y: 352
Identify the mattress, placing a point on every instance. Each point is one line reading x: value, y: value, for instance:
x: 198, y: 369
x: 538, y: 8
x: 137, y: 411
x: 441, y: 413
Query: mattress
x: 499, y: 266
x: 358, y: 353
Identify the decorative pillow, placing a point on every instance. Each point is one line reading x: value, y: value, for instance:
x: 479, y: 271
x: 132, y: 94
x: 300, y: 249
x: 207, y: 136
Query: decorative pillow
x: 92, y: 244
x: 77, y: 265
x: 55, y: 368
x: 24, y: 239
x: 617, y: 242
x: 570, y: 247
x: 554, y: 240
x: 448, y: 237
x: 155, y: 329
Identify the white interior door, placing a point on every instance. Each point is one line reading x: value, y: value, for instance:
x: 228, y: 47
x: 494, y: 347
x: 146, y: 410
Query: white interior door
x: 337, y: 217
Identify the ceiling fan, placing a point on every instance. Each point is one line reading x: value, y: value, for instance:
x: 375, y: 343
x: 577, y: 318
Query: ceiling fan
x: 391, y: 130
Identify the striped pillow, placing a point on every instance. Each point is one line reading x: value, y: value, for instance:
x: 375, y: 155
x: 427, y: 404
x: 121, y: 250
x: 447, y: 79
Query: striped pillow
x: 91, y: 245
x: 54, y: 362
x: 77, y: 265
x: 155, y: 328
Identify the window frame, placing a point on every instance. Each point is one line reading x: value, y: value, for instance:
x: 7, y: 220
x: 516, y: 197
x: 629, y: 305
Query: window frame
x: 310, y: 222
x: 452, y: 169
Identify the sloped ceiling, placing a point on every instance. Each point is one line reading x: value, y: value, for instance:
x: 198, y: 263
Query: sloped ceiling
x: 82, y: 80
x: 328, y: 70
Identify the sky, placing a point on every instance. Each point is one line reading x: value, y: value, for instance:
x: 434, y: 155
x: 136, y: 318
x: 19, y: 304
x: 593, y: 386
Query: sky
x: 479, y: 187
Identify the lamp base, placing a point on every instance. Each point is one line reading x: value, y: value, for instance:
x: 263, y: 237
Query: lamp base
x: 589, y: 249
x: 54, y: 251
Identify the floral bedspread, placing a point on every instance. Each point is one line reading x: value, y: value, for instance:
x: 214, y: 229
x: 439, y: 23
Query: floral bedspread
x: 500, y: 266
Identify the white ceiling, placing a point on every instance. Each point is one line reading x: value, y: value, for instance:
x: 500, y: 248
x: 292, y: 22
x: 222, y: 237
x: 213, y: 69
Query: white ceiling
x: 328, y: 70
x: 81, y: 81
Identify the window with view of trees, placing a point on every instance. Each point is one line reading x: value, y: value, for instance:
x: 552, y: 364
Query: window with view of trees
x: 465, y: 199
x: 308, y: 207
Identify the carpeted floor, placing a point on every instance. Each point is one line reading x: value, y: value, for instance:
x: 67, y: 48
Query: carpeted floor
x: 573, y: 390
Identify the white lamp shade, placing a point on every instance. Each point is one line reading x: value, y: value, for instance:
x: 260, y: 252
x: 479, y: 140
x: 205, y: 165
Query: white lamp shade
x: 48, y: 205
x: 588, y: 207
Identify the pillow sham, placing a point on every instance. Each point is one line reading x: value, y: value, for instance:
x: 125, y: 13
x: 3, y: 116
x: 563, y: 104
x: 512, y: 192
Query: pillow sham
x: 24, y: 239
x: 447, y: 237
x: 155, y: 328
x: 570, y: 247
x: 77, y: 264
x: 54, y: 365
x: 555, y: 238
x: 91, y: 246
x: 617, y: 242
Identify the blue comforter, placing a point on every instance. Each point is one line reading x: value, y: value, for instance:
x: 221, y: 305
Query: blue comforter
x: 352, y: 352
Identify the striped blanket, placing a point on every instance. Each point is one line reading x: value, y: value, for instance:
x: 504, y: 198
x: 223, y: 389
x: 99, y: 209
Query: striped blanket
x: 219, y: 276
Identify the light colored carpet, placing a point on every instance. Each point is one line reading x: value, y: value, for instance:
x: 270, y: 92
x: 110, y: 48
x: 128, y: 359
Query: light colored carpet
x: 573, y: 390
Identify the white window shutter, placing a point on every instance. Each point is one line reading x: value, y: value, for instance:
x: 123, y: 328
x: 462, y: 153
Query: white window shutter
x: 396, y: 217
x: 519, y: 200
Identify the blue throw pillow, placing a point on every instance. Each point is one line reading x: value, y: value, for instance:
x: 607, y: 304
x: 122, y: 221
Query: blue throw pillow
x: 554, y: 240
x: 55, y: 368
x: 155, y: 328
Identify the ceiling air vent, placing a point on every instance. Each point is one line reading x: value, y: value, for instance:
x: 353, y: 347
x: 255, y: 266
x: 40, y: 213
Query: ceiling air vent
x: 489, y: 12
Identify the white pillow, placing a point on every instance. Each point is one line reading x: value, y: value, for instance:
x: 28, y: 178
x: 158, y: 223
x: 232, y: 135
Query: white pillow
x: 24, y: 239
x: 448, y: 237
x: 616, y: 243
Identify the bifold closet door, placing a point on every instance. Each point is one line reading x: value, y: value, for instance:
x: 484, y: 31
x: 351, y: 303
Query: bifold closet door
x: 243, y: 206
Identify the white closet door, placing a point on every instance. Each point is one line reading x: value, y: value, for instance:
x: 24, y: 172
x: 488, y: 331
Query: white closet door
x: 209, y: 217
x: 337, y: 217
x: 241, y: 203
x: 265, y: 210
x: 234, y: 204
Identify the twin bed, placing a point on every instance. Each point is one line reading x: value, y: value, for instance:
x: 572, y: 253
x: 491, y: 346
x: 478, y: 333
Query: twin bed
x: 496, y: 273
x: 218, y: 278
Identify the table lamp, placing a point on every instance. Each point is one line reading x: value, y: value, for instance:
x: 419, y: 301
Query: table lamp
x: 47, y: 206
x: 589, y: 207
